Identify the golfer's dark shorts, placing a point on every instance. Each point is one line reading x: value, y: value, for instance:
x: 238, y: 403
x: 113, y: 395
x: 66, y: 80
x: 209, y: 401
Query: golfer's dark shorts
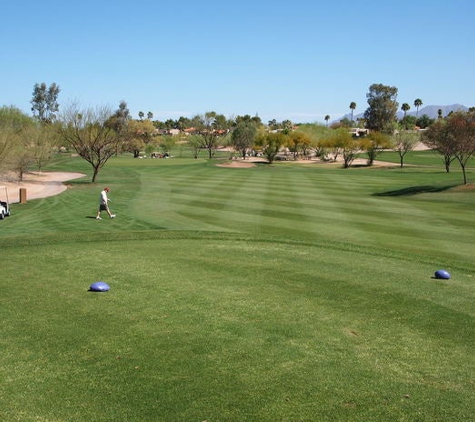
x: 102, y: 207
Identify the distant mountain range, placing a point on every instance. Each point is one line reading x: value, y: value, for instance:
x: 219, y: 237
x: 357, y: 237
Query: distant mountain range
x: 430, y: 110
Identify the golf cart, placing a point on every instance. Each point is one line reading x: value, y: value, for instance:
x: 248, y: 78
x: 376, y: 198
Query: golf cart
x: 4, y: 205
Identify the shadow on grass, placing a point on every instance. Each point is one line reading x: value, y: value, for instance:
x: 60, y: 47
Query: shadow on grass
x: 414, y: 190
x: 79, y: 182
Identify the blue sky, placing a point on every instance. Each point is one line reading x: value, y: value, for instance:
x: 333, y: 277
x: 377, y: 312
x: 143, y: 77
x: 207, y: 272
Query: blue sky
x: 297, y: 60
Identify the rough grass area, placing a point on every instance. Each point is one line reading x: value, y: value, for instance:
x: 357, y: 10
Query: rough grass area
x: 272, y: 293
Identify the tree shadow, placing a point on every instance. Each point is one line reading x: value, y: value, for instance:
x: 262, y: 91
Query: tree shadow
x: 82, y: 181
x: 414, y: 190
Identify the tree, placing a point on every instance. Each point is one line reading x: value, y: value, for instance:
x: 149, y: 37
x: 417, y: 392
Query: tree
x: 287, y: 126
x: 89, y: 133
x: 7, y: 143
x: 344, y: 122
x: 41, y: 142
x: 194, y: 141
x: 220, y: 123
x: 121, y: 117
x: 403, y: 143
x: 149, y: 115
x: 170, y: 124
x: 271, y: 143
x: 119, y: 121
x: 405, y: 108
x: 166, y: 143
x: 14, y: 118
x: 141, y: 115
x: 210, y: 127
x: 409, y: 123
x: 316, y: 133
x: 22, y: 161
x: 342, y: 140
x: 374, y: 143
x: 273, y: 125
x: 297, y: 142
x: 352, y: 108
x: 243, y: 136
x: 424, y: 121
x: 327, y: 118
x: 138, y: 135
x: 417, y: 104
x: 45, y: 102
x: 330, y: 145
x: 381, y: 115
x: 14, y: 140
x: 183, y: 123
x: 438, y: 138
x: 461, y: 131
x: 257, y: 120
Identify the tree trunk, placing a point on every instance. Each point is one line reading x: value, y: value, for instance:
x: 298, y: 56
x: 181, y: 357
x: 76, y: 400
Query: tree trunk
x: 464, y: 173
x: 447, y: 162
x: 95, y: 173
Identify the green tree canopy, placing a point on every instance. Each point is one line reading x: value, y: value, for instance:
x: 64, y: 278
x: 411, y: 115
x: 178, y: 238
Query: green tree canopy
x: 210, y: 127
x: 45, y: 102
x: 404, y: 142
x: 271, y: 143
x: 417, y: 104
x: 352, y: 108
x: 374, y: 143
x: 381, y: 115
x: 243, y: 136
x: 14, y: 125
x: 298, y: 142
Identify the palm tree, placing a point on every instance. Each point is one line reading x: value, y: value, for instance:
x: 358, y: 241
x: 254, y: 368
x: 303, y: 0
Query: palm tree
x: 417, y: 104
x: 149, y: 115
x: 352, y: 108
x: 439, y: 113
x: 327, y: 118
x: 405, y: 107
x: 141, y: 114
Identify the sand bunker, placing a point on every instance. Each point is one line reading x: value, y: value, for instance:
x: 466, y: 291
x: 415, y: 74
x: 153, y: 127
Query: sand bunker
x: 38, y: 185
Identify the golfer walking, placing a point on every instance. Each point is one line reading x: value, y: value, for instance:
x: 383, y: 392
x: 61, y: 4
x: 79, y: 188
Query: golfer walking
x: 104, y: 204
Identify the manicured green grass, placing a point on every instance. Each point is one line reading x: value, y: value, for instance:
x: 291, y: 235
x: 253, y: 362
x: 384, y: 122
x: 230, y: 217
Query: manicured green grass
x: 289, y: 292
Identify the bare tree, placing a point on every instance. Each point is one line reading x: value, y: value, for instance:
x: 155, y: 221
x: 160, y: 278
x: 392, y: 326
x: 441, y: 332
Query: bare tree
x: 89, y: 134
x: 403, y: 143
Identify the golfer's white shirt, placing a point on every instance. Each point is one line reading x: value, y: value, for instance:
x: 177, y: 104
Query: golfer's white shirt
x: 104, y: 198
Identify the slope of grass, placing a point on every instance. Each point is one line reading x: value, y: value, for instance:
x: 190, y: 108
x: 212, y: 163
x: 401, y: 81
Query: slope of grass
x: 284, y: 292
